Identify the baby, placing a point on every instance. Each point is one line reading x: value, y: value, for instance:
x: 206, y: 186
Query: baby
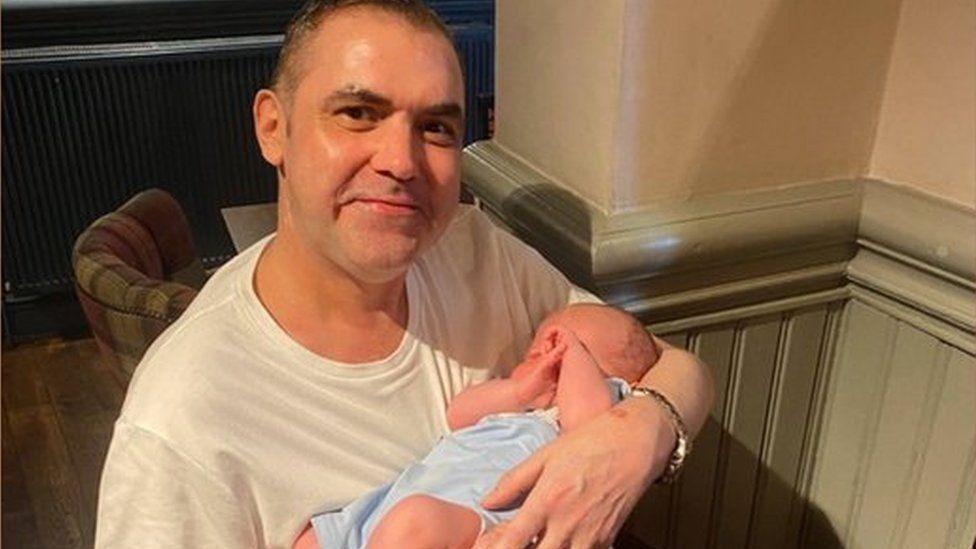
x: 583, y: 359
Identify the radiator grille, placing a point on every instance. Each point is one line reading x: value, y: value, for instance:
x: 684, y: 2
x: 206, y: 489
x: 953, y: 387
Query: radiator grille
x: 86, y: 128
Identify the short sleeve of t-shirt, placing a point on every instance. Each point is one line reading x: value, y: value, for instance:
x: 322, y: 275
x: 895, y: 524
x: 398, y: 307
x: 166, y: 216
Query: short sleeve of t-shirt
x: 152, y: 496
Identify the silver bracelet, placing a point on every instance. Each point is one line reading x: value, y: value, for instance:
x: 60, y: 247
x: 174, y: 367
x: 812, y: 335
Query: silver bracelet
x: 682, y: 445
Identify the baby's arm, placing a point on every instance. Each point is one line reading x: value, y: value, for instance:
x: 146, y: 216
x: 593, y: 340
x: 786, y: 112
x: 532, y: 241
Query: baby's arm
x: 532, y: 384
x: 582, y: 393
x: 475, y: 402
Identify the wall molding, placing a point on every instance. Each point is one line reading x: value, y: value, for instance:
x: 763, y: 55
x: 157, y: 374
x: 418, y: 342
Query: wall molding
x: 934, y: 234
x: 928, y: 293
x: 725, y: 256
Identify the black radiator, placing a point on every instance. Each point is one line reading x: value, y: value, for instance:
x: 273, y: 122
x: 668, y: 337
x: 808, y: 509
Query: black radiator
x: 87, y: 126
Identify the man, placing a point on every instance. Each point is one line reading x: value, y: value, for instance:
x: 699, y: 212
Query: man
x: 318, y: 363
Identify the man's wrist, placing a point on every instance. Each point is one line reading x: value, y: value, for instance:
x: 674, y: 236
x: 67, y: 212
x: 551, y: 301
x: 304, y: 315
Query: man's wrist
x: 680, y: 446
x: 651, y: 433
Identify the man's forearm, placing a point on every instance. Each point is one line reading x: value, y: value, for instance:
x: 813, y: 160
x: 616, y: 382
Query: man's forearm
x: 685, y: 381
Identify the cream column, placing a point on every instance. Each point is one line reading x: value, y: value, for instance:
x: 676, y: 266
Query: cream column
x: 630, y: 102
x: 558, y: 80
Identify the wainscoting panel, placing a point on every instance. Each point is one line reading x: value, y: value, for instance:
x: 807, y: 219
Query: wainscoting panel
x: 896, y: 454
x: 693, y: 522
x: 947, y: 462
x: 779, y: 505
x: 748, y: 400
x: 867, y: 342
x: 915, y: 368
x: 745, y: 481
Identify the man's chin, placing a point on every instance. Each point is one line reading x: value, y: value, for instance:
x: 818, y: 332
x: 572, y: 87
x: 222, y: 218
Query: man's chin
x: 385, y: 265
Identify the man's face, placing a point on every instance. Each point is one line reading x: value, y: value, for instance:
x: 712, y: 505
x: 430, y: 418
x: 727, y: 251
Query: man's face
x: 369, y: 156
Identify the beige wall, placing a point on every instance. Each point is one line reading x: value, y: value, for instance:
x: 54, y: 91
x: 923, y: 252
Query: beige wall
x: 558, y: 75
x: 754, y: 93
x: 643, y: 101
x: 926, y: 135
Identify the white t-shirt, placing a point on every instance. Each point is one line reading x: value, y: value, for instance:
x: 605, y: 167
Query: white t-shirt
x: 232, y: 434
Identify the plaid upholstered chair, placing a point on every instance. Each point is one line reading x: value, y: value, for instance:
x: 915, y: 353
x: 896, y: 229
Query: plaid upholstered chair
x: 136, y: 271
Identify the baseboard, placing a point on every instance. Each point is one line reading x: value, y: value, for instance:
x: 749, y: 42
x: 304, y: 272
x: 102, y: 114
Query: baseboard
x: 938, y: 297
x: 675, y: 261
x: 904, y: 223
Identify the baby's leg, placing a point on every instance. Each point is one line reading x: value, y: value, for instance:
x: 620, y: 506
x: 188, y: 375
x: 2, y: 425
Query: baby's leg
x: 424, y: 522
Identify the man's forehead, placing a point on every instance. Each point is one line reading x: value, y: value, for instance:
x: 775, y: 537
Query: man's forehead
x: 364, y: 47
x: 360, y: 31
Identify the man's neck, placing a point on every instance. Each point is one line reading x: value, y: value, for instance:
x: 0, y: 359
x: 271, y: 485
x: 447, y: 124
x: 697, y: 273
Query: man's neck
x: 327, y: 310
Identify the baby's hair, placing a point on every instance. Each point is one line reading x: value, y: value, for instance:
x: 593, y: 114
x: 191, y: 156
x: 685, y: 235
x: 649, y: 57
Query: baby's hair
x: 622, y: 346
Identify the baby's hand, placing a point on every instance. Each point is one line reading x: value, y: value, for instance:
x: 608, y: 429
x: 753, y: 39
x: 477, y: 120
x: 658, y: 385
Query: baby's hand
x: 574, y: 348
x: 537, y: 377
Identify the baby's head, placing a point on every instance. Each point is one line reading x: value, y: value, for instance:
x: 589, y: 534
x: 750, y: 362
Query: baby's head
x: 616, y: 340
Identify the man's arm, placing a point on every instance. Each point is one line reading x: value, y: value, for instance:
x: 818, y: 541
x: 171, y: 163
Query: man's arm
x: 152, y: 496
x: 583, y: 485
x: 685, y: 381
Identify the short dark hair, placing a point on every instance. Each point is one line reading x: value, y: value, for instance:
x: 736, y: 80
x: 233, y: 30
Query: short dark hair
x: 314, y: 12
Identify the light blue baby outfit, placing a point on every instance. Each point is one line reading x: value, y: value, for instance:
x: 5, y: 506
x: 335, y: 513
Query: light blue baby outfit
x: 462, y: 468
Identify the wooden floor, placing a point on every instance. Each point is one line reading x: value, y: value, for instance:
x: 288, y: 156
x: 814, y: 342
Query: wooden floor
x: 59, y: 406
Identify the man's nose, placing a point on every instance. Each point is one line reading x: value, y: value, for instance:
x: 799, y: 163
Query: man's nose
x: 399, y: 150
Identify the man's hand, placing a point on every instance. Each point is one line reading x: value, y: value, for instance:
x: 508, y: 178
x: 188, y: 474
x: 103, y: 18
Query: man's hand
x: 583, y: 485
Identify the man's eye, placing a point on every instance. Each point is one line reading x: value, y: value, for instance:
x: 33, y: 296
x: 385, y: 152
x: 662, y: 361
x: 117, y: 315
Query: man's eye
x: 440, y: 133
x: 358, y: 115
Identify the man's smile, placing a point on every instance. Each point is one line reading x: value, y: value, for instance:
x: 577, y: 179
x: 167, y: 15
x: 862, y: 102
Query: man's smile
x: 395, y: 205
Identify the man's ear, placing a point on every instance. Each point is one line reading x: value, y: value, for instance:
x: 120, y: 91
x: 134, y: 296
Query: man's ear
x: 269, y: 126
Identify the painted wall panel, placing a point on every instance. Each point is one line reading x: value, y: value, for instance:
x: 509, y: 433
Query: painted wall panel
x: 751, y: 378
x: 898, y: 439
x: 694, y: 518
x: 870, y: 443
x: 857, y: 383
x: 962, y: 529
x: 783, y: 445
x: 651, y: 518
x: 743, y: 484
x: 947, y: 461
x: 916, y: 366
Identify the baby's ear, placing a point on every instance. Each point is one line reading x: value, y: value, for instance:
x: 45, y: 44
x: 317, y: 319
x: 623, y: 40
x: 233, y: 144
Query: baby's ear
x: 554, y: 335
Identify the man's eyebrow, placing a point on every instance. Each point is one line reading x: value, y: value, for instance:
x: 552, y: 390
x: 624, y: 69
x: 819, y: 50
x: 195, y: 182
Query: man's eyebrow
x: 450, y: 110
x: 362, y: 95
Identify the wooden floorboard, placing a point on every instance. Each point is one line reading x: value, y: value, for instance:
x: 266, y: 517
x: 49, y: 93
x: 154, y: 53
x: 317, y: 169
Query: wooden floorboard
x: 22, y: 383
x: 59, y: 406
x: 19, y: 526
